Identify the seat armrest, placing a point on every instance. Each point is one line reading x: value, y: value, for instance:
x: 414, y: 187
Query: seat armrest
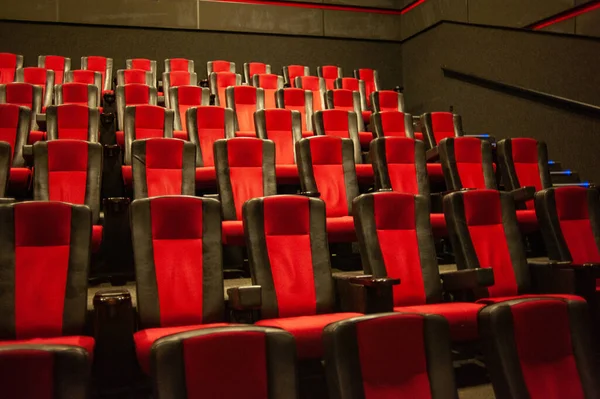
x: 432, y: 154
x: 245, y: 298
x: 523, y: 194
x: 365, y: 294
x: 312, y: 194
x: 384, y: 190
x: 109, y: 98
x: 552, y: 277
x: 116, y: 204
x: 370, y: 281
x: 213, y: 196
x: 6, y: 201
x: 203, y: 83
x: 468, y: 279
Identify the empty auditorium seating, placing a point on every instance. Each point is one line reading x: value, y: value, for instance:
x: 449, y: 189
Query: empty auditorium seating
x: 284, y: 128
x: 70, y: 171
x: 180, y: 233
x: 316, y: 86
x: 245, y: 169
x: 290, y: 72
x: 392, y: 124
x: 387, y: 100
x: 76, y: 93
x: 72, y: 121
x: 87, y: 77
x: 329, y: 73
x: 46, y: 260
x: 24, y: 95
x: 371, y: 79
x: 220, y: 66
x: 177, y: 78
x: 270, y: 84
x: 484, y: 233
x: 263, y: 361
x: 163, y: 166
x: 205, y: 125
x: 102, y: 65
x: 297, y: 100
x: 467, y: 163
x: 358, y: 86
x: 340, y: 123
x: 394, y: 234
x: 255, y: 68
x: 524, y: 163
x: 182, y: 98
x: 5, y: 158
x: 60, y: 65
x: 539, y: 348
x: 127, y: 76
x: 40, y: 77
x: 245, y: 101
x: 219, y: 81
x: 389, y: 356
x: 326, y: 169
x: 399, y: 165
x: 144, y: 64
x: 440, y: 125
x: 14, y: 130
x: 348, y: 100
x: 179, y: 64
x: 8, y: 66
x: 133, y: 94
x: 286, y: 233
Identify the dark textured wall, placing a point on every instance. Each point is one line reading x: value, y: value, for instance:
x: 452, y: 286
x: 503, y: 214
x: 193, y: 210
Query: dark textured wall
x: 121, y: 43
x: 559, y: 65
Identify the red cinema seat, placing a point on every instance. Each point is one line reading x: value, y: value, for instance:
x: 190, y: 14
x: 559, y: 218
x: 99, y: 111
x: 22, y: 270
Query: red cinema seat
x: 14, y: 131
x: 24, y: 95
x: 245, y: 101
x: 180, y: 233
x: 179, y: 64
x: 399, y: 165
x: 330, y: 73
x: 205, y: 125
x: 245, y: 170
x: 270, y: 84
x: 134, y: 94
x: 60, y: 65
x: 219, y: 81
x: 298, y: 100
x: 175, y: 79
x: 327, y: 169
x: 316, y: 86
x: 371, y: 79
x: 70, y: 171
x: 41, y: 77
x: 182, y: 98
x: 284, y: 128
x: 255, y: 68
x: 220, y: 66
x: 339, y: 123
x: 387, y: 100
x: 87, y: 77
x: 287, y: 233
x: 128, y: 76
x: 290, y: 72
x: 102, y: 65
x: 9, y: 63
x: 356, y: 85
x: 5, y: 159
x: 144, y: 64
x: 440, y: 125
x: 368, y: 357
x: 163, y: 166
x: 76, y: 93
x: 539, y: 349
x: 72, y: 122
x: 348, y: 100
x: 392, y: 124
x: 185, y: 364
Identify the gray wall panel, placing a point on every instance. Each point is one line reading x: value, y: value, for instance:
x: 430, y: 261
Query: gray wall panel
x: 364, y: 25
x: 514, y: 13
x: 588, y: 24
x: 567, y: 26
x: 27, y: 10
x: 391, y: 4
x: 431, y: 12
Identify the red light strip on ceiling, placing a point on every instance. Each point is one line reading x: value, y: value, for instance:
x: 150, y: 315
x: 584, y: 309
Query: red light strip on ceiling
x: 565, y: 16
x: 326, y: 6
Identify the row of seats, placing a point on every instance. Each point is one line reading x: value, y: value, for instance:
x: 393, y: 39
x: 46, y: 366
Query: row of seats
x: 178, y: 261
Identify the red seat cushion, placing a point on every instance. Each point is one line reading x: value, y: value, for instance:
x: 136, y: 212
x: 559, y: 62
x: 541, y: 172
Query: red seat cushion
x: 365, y: 139
x: 462, y: 317
x: 491, y: 301
x: 19, y: 179
x: 364, y: 173
x: 434, y: 170
x: 81, y: 341
x: 243, y: 133
x: 180, y: 134
x: 527, y: 220
x: 206, y: 176
x: 438, y: 224
x: 341, y: 229
x: 366, y: 115
x: 127, y: 175
x: 35, y: 136
x: 418, y: 136
x: 96, y: 238
x: 307, y: 331
x: 233, y: 232
x: 306, y: 133
x: 120, y: 138
x: 287, y: 174
x: 144, y: 340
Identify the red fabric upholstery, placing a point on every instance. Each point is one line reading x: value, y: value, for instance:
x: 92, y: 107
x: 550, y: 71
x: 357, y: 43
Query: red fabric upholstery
x: 73, y: 121
x: 9, y: 123
x: 287, y: 174
x: 366, y: 115
x: 350, y: 84
x: 213, y: 359
x: 279, y: 129
x: 19, y: 179
x: 388, y: 101
x: 368, y: 76
x: 256, y: 68
x: 245, y: 170
x: 326, y: 154
x: 20, y: 94
x: 141, y: 63
x: 8, y: 66
x: 36, y: 76
x: 343, y: 99
x: 81, y: 341
x: 269, y: 83
x: 75, y: 93
x: 573, y: 217
x: 98, y: 64
x: 96, y: 238
x: 245, y: 106
x: 180, y: 134
x: 491, y: 301
x: 206, y: 176
x: 365, y: 139
x: 330, y: 73
x: 384, y: 345
x: 341, y: 229
x: 27, y: 374
x: 335, y: 123
x: 211, y: 127
x: 525, y: 160
x: 400, y: 157
x: 42, y: 245
x: 67, y: 170
x: 84, y: 76
x: 469, y: 163
x: 55, y: 63
x: 35, y: 136
x: 221, y: 66
x: 224, y: 80
x: 438, y: 224
x: 312, y: 83
x: 543, y: 342
x: 294, y: 100
x: 462, y: 317
x: 178, y: 64
x: 134, y: 76
x: 307, y: 331
x: 180, y: 78
x: 364, y: 173
x: 127, y: 175
x: 392, y: 121
x: 164, y: 166
x: 434, y: 171
x: 527, y: 219
x: 443, y: 125
x: 149, y: 122
x: 233, y: 232
x: 144, y: 340
x: 187, y: 97
x: 136, y: 94
x: 293, y: 71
